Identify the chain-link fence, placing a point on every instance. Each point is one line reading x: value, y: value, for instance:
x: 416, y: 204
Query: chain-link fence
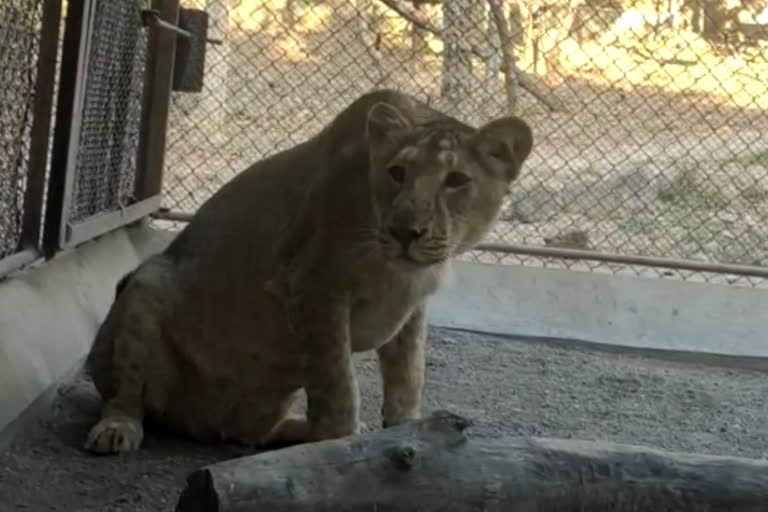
x: 77, y: 145
x: 19, y: 43
x: 649, y: 117
x: 109, y: 131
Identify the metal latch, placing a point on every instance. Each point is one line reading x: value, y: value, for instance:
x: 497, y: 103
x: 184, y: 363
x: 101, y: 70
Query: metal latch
x: 151, y: 18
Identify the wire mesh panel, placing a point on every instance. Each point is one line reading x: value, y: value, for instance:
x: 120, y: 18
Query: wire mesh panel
x: 106, y: 160
x: 19, y: 47
x: 649, y: 117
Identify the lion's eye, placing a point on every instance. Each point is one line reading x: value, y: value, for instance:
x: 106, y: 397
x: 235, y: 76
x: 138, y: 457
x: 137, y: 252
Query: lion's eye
x: 397, y: 173
x: 456, y: 180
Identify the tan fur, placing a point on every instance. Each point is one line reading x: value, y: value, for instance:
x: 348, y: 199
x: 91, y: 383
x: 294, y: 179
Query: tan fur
x: 294, y: 265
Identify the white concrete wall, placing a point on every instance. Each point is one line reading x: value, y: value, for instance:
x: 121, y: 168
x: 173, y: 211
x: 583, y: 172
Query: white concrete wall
x: 620, y: 311
x: 49, y: 314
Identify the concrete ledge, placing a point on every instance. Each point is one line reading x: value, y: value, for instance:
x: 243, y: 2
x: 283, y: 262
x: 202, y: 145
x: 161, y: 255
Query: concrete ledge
x: 618, y: 311
x: 50, y: 313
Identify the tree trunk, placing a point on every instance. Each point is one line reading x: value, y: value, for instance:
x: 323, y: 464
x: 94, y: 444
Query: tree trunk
x: 288, y: 14
x: 477, y: 27
x: 367, y: 26
x: 457, y: 64
x: 507, y: 45
x: 520, y: 24
x: 341, y: 14
x: 214, y: 102
x: 714, y: 19
x: 493, y: 65
x: 697, y: 16
x: 424, y: 11
x: 659, y: 13
x: 430, y: 466
x: 675, y: 6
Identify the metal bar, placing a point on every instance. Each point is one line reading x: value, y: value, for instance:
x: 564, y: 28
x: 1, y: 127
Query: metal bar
x: 151, y: 18
x: 81, y: 85
x: 626, y: 259
x: 161, y: 51
x: 574, y: 254
x: 34, y: 194
x: 74, y: 65
x: 165, y: 214
x: 16, y: 261
x: 98, y: 225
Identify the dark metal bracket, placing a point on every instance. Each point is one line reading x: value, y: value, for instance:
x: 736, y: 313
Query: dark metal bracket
x: 189, y: 61
x: 151, y: 18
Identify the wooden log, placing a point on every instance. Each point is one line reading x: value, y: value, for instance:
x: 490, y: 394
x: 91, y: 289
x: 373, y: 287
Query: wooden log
x: 430, y: 465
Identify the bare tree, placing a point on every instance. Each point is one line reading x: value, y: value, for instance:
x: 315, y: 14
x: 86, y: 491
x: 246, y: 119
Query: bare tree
x: 477, y: 35
x: 214, y: 102
x: 368, y: 26
x: 560, y: 18
x: 675, y: 8
x: 715, y: 14
x: 493, y: 64
x: 424, y: 10
x: 520, y: 23
x: 659, y: 16
x: 341, y: 14
x: 507, y: 47
x: 457, y: 64
x: 288, y: 14
x: 526, y: 81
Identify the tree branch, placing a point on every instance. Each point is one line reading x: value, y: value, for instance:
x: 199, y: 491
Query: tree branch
x: 410, y: 14
x: 526, y: 81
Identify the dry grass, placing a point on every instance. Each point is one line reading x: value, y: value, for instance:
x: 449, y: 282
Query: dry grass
x: 662, y: 150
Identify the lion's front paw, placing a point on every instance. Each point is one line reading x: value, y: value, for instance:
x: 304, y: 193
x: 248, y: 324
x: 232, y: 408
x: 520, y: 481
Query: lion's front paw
x: 115, y: 435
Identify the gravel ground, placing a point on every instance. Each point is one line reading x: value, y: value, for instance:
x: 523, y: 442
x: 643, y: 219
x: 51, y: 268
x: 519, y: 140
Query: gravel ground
x: 508, y: 387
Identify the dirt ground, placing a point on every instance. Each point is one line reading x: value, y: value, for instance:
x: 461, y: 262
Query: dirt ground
x: 508, y: 387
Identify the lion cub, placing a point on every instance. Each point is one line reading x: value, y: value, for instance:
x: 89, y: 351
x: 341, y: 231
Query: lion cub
x: 325, y: 249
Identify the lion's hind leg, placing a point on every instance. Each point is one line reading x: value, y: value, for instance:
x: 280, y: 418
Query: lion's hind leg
x: 131, y: 331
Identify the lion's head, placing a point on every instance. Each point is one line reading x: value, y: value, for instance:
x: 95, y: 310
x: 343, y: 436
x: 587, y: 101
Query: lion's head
x: 438, y: 186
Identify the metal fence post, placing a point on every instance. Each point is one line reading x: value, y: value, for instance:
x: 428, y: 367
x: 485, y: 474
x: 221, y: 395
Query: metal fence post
x: 156, y: 103
x: 41, y: 126
x: 67, y: 124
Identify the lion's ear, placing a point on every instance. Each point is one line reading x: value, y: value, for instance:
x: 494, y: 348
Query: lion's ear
x: 504, y: 144
x: 385, y: 124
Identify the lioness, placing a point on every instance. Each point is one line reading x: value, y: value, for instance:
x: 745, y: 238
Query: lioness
x: 316, y: 252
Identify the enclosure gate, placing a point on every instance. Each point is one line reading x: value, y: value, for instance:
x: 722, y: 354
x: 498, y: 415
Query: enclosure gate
x: 28, y: 38
x: 112, y: 105
x: 100, y: 77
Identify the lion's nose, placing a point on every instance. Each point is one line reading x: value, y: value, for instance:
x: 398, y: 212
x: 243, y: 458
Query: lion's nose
x: 406, y: 235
